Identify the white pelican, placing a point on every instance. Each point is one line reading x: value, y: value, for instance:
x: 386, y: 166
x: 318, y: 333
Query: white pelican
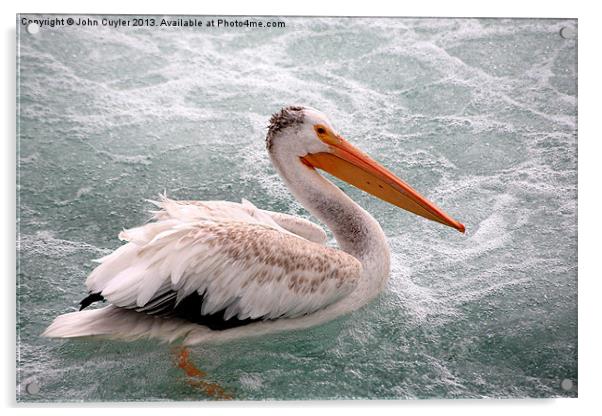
x: 215, y: 270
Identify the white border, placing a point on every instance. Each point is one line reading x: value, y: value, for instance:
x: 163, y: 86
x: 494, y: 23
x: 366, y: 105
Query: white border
x: 589, y: 195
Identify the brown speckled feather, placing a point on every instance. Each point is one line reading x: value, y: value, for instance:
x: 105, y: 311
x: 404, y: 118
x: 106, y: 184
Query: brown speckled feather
x: 250, y: 270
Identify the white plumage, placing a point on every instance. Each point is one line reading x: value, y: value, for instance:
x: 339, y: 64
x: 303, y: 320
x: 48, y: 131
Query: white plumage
x: 234, y: 254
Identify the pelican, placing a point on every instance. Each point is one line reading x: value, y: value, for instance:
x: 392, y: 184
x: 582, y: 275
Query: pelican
x: 215, y: 270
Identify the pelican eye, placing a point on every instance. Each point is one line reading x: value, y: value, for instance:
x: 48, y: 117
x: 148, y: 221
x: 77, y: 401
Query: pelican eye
x: 325, y: 134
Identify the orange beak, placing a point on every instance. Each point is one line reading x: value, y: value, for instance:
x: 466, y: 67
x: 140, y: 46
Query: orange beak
x: 351, y: 165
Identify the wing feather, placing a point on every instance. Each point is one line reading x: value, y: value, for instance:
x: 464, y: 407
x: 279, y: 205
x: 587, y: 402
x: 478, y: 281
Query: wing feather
x: 245, y: 270
x: 191, y: 211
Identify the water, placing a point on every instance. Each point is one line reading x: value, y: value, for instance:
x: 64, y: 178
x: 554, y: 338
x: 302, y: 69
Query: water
x: 479, y: 115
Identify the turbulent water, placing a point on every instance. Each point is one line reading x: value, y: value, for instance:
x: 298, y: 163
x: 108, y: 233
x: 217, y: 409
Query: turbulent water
x: 477, y: 114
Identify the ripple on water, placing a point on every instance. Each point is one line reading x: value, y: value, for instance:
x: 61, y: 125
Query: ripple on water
x: 478, y: 114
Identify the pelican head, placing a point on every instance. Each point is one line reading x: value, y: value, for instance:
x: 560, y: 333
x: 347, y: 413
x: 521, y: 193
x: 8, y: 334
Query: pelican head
x: 307, y: 135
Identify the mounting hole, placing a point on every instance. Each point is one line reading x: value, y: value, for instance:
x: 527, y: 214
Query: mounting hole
x: 566, y: 384
x: 33, y: 28
x: 32, y: 387
x: 567, y: 33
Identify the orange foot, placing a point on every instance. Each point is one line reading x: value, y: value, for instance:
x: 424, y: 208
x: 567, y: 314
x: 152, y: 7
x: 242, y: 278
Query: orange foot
x: 195, y: 376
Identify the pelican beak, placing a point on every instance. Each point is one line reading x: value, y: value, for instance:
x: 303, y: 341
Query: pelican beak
x: 351, y: 165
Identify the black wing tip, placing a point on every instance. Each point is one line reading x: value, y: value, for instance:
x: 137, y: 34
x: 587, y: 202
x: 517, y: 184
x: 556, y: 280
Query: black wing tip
x: 189, y: 309
x: 90, y: 299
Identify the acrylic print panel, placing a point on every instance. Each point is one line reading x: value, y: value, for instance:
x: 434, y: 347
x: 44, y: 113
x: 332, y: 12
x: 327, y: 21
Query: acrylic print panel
x: 478, y: 115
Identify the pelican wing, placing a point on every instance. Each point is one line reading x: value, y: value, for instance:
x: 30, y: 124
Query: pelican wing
x: 299, y: 226
x: 240, y: 270
x: 243, y: 212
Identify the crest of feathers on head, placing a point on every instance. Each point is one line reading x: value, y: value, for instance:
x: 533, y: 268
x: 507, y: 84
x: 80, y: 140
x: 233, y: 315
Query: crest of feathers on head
x: 284, y: 118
